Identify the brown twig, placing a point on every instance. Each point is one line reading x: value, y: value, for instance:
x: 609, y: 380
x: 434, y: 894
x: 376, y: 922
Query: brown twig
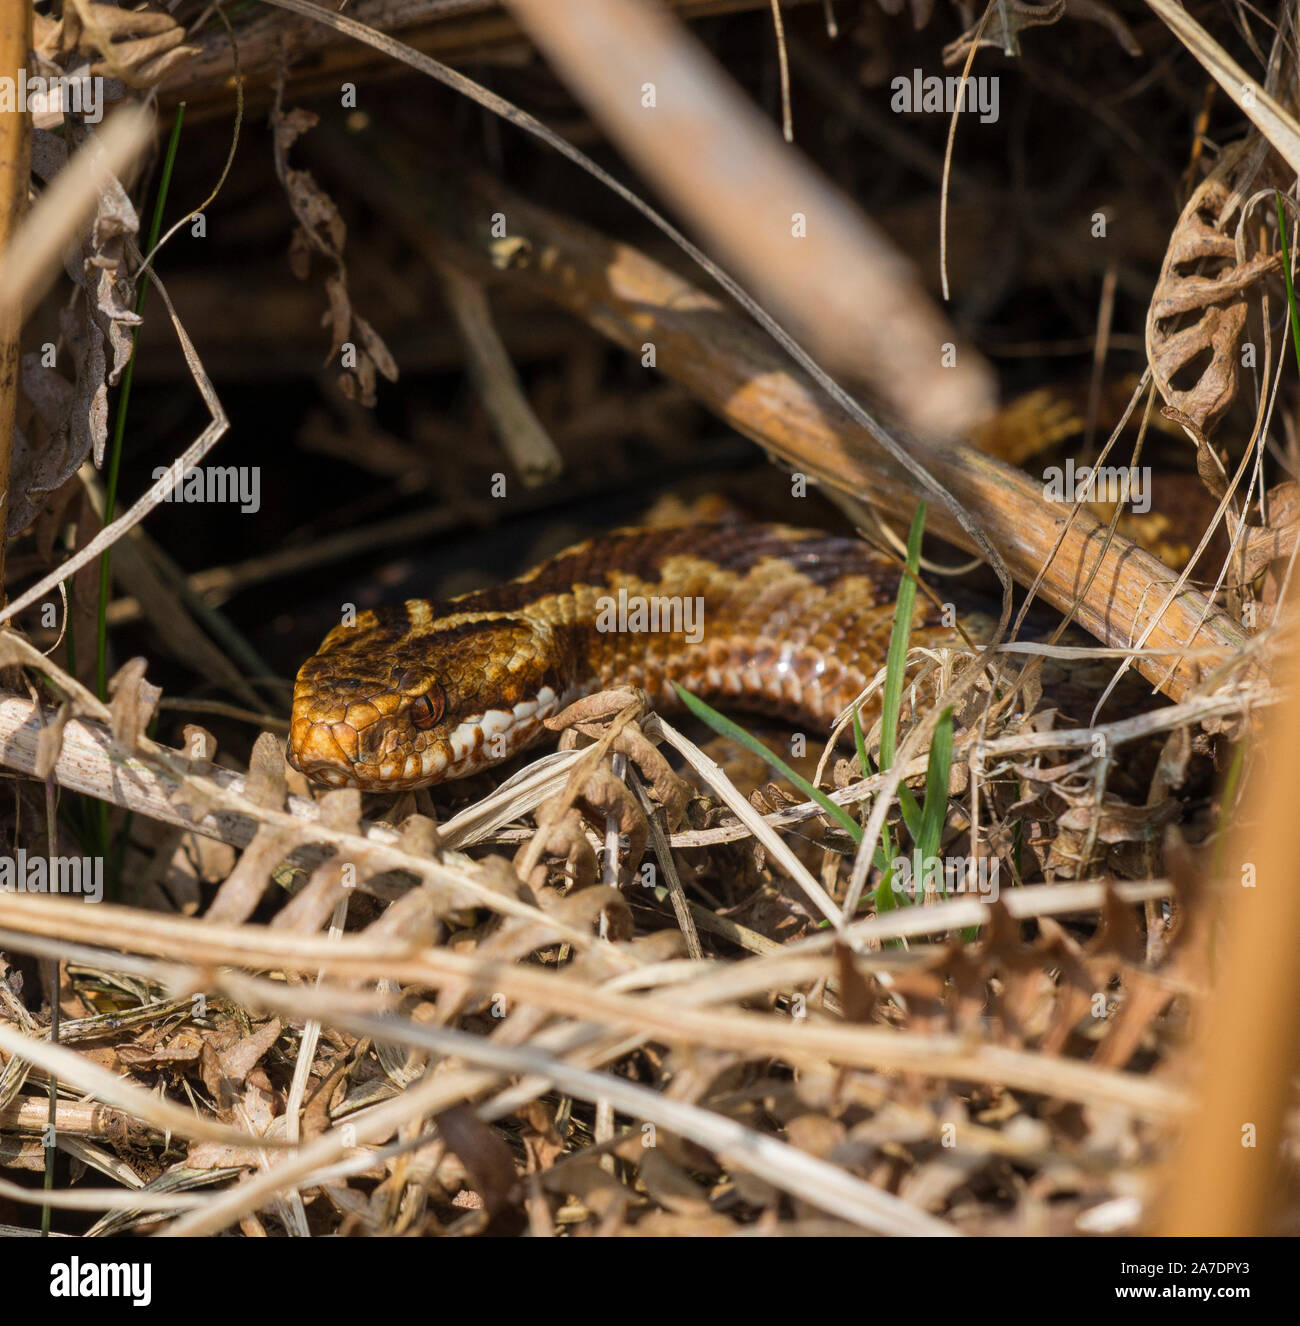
x: 488, y: 363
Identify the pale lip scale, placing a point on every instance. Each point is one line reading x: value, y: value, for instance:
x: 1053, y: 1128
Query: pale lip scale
x: 464, y: 745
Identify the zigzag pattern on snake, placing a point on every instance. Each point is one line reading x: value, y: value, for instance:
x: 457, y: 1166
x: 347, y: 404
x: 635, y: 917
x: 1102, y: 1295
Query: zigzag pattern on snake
x: 790, y: 622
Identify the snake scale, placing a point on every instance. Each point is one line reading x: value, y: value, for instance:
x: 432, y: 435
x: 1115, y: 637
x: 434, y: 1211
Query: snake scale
x: 763, y: 617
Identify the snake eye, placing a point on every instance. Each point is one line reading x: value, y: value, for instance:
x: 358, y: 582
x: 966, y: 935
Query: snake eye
x: 427, y: 709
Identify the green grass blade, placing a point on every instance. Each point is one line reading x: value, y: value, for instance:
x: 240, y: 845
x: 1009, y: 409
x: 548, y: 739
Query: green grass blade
x: 899, y: 639
x: 860, y: 741
x: 936, y: 792
x: 1286, y: 272
x: 123, y: 401
x: 886, y: 898
x: 911, y: 811
x: 724, y: 727
x: 936, y: 785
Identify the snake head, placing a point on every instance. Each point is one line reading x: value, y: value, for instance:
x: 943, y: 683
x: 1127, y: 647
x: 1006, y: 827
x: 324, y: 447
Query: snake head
x: 405, y: 697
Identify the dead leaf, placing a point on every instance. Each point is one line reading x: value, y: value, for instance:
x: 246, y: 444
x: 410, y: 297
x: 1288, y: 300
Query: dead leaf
x: 137, y: 45
x: 1003, y: 29
x: 487, y: 1159
x: 241, y: 1058
x: 321, y: 230
x: 1198, y: 311
x: 133, y: 704
x: 68, y: 421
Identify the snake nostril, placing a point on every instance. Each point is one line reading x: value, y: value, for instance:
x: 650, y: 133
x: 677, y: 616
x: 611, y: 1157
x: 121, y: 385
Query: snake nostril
x: 346, y: 738
x: 372, y: 742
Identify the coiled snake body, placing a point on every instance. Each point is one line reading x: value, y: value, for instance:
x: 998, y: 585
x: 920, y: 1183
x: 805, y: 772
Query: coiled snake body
x: 754, y: 616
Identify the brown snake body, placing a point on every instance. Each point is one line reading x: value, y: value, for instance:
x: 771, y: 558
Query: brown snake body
x: 763, y: 617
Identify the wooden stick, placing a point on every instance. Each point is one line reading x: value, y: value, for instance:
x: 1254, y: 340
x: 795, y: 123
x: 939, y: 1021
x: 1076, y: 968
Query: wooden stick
x: 91, y: 762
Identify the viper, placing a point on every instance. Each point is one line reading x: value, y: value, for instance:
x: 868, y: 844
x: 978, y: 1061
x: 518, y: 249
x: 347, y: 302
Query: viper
x: 766, y: 617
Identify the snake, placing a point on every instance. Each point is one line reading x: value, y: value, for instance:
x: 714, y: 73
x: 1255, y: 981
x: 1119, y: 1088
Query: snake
x: 770, y: 618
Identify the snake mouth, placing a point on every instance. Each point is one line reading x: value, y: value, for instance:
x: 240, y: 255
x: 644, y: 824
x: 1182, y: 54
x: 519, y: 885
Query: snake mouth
x: 332, y: 753
x: 325, y: 752
x: 326, y: 775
